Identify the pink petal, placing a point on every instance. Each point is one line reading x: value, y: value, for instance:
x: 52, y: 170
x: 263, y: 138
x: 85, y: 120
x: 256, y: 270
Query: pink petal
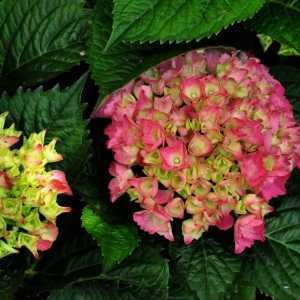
x: 44, y: 245
x: 152, y: 224
x: 146, y: 186
x: 225, y: 222
x: 5, y: 180
x: 191, y: 89
x: 252, y: 168
x: 59, y: 183
x: 164, y: 196
x: 248, y: 229
x: 163, y: 104
x: 152, y: 134
x: 49, y: 232
x: 175, y: 208
x: 8, y: 141
x: 273, y: 187
x: 174, y: 157
x: 200, y: 145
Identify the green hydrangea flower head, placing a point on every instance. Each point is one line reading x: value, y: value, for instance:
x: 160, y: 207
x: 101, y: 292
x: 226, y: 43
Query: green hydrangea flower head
x: 28, y: 192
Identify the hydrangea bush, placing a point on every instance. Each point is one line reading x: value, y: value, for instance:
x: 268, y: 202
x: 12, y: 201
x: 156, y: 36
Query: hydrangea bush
x: 187, y: 186
x: 207, y: 137
x: 28, y: 192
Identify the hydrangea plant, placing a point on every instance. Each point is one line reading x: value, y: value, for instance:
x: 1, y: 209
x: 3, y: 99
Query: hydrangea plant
x: 207, y: 137
x: 28, y: 192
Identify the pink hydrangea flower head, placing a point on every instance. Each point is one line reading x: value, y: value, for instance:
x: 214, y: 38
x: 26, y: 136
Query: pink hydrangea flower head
x: 28, y: 204
x: 204, y: 137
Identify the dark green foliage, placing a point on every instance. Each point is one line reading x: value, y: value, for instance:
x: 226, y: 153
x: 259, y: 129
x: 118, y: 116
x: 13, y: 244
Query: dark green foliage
x: 100, y: 254
x: 39, y: 39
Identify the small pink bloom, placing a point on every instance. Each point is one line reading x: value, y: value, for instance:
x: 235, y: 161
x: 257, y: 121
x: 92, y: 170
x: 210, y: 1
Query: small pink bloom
x: 48, y: 232
x: 126, y: 107
x: 211, y: 86
x: 8, y: 141
x: 248, y: 229
x: 5, y: 180
x: 178, y: 118
x: 174, y: 157
x: 108, y: 106
x: 256, y: 205
x: 126, y: 155
x: 237, y: 74
x: 252, y: 167
x: 201, y: 188
x: 119, y: 184
x: 115, y: 133
x: 163, y: 104
x: 44, y: 245
x: 212, y: 59
x: 191, y: 230
x: 191, y: 89
x: 273, y: 187
x: 115, y: 189
x: 246, y: 130
x: 59, y: 184
x: 34, y: 157
x: 152, y: 134
x: 146, y: 186
x: 131, y: 133
x: 153, y: 223
x: 210, y: 118
x: 225, y: 222
x: 193, y: 205
x: 200, y: 145
x: 175, y: 208
x: 144, y: 95
x: 234, y: 147
x: 280, y: 102
x: 164, y: 196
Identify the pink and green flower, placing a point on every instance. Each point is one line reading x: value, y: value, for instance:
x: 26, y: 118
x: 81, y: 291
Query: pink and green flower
x: 207, y: 137
x: 28, y: 202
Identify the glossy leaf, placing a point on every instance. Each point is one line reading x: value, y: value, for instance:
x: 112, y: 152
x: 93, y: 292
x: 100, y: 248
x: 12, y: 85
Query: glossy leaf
x: 39, y: 39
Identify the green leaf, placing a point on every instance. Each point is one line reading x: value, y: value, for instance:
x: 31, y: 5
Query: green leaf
x: 288, y: 51
x: 204, y: 270
x: 284, y: 50
x: 116, y: 241
x: 265, y: 41
x: 289, y: 77
x: 243, y: 288
x: 58, y: 111
x: 83, y: 291
x: 39, y: 39
x: 144, y: 275
x: 70, y: 258
x: 70, y: 255
x: 6, y: 295
x: 117, y: 66
x: 280, y: 19
x: 168, y: 20
x: 244, y: 292
x: 277, y: 262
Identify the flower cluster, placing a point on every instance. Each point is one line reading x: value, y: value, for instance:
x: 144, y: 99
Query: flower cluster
x: 28, y: 193
x: 215, y: 139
